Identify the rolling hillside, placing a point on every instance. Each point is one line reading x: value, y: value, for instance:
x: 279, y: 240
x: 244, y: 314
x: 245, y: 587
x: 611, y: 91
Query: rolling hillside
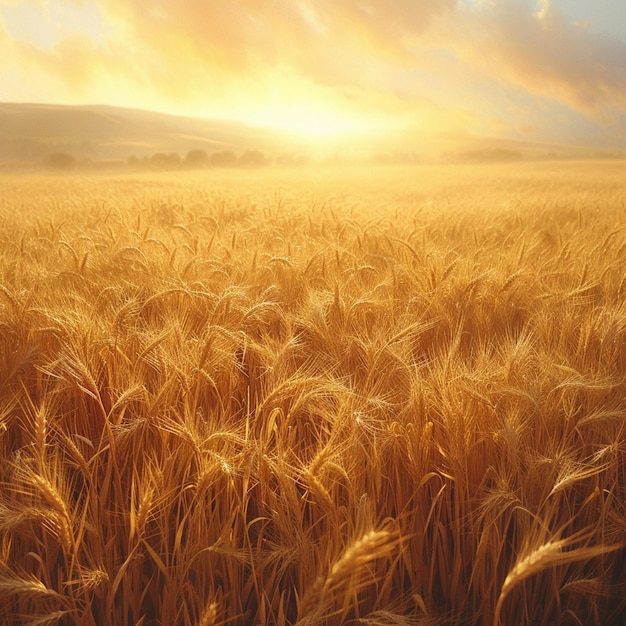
x: 30, y: 132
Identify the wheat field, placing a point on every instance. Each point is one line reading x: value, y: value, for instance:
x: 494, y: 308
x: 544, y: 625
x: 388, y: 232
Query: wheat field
x: 382, y: 397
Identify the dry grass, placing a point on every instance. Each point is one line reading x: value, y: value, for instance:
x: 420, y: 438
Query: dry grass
x: 312, y: 398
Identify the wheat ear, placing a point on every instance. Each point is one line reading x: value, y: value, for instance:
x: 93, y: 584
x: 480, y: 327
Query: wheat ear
x: 546, y: 555
x: 370, y: 546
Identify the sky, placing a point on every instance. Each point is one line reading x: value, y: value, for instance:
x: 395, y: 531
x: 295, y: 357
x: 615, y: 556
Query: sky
x: 529, y: 70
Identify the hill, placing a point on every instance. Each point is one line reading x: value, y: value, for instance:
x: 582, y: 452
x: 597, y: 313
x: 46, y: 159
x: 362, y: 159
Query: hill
x: 30, y: 132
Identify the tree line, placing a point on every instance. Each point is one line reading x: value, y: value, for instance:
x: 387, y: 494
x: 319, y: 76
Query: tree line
x: 194, y: 159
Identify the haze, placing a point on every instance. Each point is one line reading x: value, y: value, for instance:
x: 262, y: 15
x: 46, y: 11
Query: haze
x: 547, y: 71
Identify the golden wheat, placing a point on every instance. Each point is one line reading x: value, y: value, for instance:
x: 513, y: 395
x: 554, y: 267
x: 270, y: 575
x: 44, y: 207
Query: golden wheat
x: 314, y: 397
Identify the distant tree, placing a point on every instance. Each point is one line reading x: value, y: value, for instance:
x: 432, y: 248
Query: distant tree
x: 161, y: 160
x: 133, y: 161
x: 61, y: 161
x: 196, y: 158
x: 253, y: 158
x: 158, y: 159
x: 226, y: 158
x: 174, y: 160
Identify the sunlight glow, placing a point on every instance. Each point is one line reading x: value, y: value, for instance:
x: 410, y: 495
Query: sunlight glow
x: 330, y: 71
x: 312, y: 123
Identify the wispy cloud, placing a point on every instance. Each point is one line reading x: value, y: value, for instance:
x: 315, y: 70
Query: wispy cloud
x: 535, y: 48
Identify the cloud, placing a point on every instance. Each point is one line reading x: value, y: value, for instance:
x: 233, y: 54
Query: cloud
x: 327, y: 41
x: 540, y: 51
x: 374, y: 44
x: 271, y: 52
x: 431, y: 63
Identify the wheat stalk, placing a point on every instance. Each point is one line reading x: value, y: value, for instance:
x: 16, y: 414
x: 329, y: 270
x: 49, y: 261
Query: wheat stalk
x: 547, y: 555
x: 370, y: 546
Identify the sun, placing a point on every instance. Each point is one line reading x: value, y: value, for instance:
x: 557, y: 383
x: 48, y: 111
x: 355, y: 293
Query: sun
x: 315, y: 123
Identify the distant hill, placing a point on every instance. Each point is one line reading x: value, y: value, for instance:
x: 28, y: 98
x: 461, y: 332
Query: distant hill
x: 60, y: 135
x: 29, y: 133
